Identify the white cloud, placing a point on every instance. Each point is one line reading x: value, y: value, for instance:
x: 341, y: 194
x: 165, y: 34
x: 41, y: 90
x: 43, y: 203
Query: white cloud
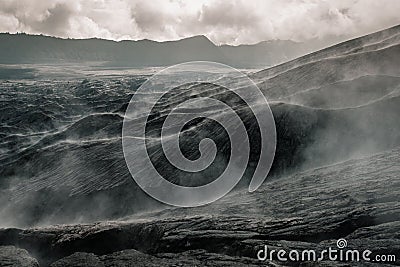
x: 232, y: 22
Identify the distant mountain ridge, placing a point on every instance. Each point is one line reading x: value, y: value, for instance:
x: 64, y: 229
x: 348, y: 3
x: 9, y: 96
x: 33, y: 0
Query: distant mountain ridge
x: 40, y: 49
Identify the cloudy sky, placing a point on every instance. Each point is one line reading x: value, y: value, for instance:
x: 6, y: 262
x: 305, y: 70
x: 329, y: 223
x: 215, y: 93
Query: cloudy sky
x: 222, y: 21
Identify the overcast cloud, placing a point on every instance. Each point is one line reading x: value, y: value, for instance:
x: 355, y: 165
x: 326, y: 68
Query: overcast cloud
x: 232, y: 22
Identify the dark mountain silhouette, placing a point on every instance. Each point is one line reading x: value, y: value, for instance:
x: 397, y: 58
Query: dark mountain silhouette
x: 25, y: 48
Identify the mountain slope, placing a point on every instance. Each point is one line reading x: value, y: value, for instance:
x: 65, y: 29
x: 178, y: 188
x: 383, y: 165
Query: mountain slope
x: 61, y: 140
x: 370, y: 42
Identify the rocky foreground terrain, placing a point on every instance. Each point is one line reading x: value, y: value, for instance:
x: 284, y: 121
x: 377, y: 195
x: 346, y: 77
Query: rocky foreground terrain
x: 356, y: 200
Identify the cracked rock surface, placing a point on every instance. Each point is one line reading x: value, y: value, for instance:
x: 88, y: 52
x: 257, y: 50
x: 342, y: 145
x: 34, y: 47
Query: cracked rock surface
x: 11, y: 256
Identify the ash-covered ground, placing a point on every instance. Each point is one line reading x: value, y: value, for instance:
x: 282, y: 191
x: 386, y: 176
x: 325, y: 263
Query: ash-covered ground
x: 335, y: 173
